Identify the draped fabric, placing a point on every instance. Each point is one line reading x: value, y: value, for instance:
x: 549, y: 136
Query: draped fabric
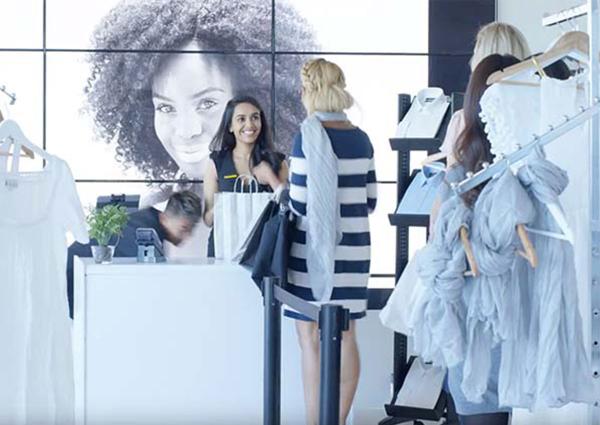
x: 322, y: 212
x: 439, y: 312
x: 493, y: 296
x: 557, y: 367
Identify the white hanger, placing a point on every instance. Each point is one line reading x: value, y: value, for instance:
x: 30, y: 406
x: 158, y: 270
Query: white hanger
x: 11, y: 132
x: 573, y: 44
x: 559, y: 217
x: 557, y: 213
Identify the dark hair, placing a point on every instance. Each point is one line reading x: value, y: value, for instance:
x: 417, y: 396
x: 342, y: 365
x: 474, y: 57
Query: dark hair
x: 119, y: 89
x: 472, y: 147
x: 558, y: 70
x: 263, y: 149
x: 185, y: 204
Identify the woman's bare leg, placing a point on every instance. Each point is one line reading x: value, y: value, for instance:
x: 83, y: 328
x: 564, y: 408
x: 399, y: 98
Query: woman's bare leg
x: 350, y: 371
x: 308, y: 336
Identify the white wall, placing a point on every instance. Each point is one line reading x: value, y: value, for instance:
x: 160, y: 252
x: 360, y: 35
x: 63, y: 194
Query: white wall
x: 527, y: 16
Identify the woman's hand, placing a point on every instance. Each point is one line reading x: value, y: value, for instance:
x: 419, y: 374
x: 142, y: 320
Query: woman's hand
x: 265, y: 175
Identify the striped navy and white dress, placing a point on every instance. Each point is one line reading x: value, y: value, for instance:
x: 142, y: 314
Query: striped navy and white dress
x: 357, y: 195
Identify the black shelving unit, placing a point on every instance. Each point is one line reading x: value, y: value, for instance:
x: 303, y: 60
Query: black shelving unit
x: 402, y: 222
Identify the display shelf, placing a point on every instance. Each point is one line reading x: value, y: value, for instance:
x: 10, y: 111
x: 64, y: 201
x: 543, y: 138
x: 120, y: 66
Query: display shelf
x: 402, y: 222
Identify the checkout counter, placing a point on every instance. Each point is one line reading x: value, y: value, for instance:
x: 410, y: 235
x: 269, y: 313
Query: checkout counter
x: 182, y: 343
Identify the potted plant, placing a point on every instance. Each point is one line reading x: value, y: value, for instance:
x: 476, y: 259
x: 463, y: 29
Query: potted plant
x: 106, y: 223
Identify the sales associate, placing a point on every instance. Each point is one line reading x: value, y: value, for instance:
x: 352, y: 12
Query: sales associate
x: 241, y: 147
x: 175, y: 224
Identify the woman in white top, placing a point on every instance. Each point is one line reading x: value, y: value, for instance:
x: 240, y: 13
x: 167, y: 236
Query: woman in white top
x: 494, y: 38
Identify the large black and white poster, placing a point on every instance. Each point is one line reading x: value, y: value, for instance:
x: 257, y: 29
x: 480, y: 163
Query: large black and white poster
x: 130, y: 92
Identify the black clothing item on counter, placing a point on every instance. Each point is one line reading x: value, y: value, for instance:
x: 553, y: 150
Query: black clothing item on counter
x: 126, y: 247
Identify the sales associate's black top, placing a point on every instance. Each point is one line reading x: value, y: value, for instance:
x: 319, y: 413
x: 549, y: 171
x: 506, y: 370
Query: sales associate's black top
x: 127, y: 246
x: 227, y: 174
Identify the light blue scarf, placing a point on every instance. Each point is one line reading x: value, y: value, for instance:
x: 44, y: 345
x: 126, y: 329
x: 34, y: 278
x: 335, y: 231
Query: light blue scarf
x: 322, y: 206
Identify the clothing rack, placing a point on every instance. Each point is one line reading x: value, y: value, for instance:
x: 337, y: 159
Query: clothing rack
x: 503, y: 162
x: 565, y: 15
x: 592, y: 10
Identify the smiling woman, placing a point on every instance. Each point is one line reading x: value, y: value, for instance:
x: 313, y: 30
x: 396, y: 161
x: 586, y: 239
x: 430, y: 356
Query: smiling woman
x: 241, y: 147
x: 189, y: 94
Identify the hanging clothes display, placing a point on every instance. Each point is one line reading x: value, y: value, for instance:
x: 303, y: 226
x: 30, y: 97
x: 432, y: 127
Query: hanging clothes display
x: 512, y: 335
x: 555, y: 356
x: 557, y: 367
x: 36, y: 360
x: 438, y: 313
x: 493, y: 297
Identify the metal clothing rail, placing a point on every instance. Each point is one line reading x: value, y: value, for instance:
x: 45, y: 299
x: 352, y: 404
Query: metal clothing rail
x: 565, y: 15
x: 11, y: 96
x: 594, y: 291
x: 503, y: 162
x: 332, y: 320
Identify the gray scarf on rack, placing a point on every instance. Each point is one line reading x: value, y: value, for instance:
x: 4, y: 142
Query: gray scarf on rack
x: 322, y: 206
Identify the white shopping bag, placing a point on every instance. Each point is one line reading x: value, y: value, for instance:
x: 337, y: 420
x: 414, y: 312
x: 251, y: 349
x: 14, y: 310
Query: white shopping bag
x: 397, y: 312
x: 234, y: 214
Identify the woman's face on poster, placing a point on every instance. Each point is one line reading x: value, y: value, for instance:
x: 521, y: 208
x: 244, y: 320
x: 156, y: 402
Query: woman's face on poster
x: 189, y: 94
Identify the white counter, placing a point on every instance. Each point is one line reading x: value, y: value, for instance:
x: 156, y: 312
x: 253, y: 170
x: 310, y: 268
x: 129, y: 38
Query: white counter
x: 182, y: 343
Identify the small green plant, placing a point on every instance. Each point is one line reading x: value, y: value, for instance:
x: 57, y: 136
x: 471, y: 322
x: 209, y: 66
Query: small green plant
x: 107, y: 222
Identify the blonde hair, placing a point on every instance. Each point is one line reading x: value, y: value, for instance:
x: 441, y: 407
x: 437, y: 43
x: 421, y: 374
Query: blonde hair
x: 500, y: 38
x: 324, y: 87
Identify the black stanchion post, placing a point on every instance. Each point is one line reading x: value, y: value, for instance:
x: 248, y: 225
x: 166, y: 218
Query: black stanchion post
x: 332, y: 321
x: 272, y: 354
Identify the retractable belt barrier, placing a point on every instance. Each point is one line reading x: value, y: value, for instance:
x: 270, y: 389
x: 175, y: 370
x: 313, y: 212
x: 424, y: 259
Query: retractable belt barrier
x: 333, y: 320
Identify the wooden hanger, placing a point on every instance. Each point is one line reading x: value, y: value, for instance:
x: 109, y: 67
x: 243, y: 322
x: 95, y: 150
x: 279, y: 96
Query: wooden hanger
x: 464, y: 237
x: 530, y: 255
x: 27, y: 152
x: 573, y: 44
x: 529, y: 251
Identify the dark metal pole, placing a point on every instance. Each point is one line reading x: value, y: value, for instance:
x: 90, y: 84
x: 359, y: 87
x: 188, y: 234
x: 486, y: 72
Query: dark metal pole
x: 272, y: 354
x: 332, y: 321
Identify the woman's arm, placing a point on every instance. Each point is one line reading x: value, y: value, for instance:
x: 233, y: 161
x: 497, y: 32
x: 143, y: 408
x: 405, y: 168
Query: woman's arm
x: 265, y: 174
x: 284, y: 172
x: 298, y: 178
x: 211, y: 186
x: 371, y: 185
x: 455, y: 127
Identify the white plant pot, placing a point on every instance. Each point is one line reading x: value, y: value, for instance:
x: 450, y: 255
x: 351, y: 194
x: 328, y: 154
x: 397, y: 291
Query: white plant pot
x: 103, y: 254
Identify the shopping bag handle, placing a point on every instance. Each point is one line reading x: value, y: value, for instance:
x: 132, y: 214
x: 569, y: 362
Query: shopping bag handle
x: 250, y: 178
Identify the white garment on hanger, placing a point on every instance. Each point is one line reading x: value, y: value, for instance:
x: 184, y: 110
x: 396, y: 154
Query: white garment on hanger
x: 512, y: 117
x: 571, y: 152
x: 36, y: 360
x: 425, y: 115
x: 557, y: 368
